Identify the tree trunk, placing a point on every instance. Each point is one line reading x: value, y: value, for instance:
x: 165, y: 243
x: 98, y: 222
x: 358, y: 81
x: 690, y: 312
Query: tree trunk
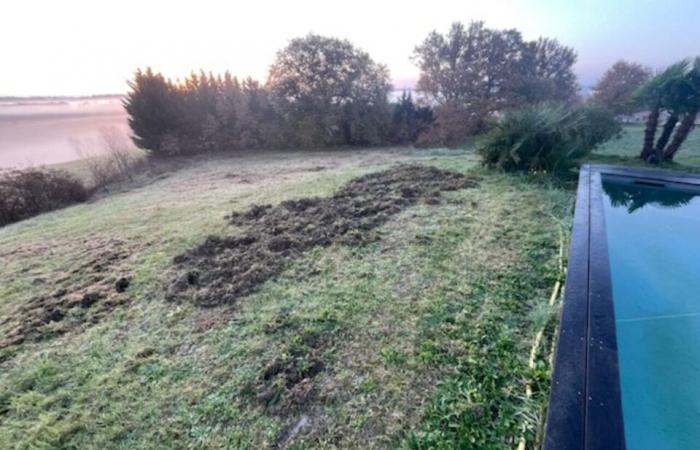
x: 650, y: 132
x: 682, y: 132
x: 669, y: 126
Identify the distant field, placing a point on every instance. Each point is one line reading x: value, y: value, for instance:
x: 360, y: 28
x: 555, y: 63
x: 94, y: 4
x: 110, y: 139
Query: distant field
x: 41, y: 133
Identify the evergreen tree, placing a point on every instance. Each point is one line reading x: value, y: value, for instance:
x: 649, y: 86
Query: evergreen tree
x: 409, y: 120
x: 154, y: 110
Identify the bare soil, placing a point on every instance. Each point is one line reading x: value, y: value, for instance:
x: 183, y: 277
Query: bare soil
x: 224, y: 268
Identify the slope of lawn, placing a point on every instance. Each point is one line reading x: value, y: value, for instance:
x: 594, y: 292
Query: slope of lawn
x: 420, y: 339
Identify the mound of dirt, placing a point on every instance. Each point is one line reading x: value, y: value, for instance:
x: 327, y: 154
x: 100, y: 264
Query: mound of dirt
x: 224, y: 268
x: 83, y: 294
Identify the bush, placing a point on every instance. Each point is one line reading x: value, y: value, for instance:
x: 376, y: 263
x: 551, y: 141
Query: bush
x: 599, y: 125
x: 26, y: 193
x: 454, y: 125
x: 546, y: 138
x: 112, y: 158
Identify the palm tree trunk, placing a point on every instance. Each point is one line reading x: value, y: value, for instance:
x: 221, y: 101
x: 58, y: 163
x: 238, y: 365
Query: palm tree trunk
x: 669, y: 126
x: 650, y: 132
x: 682, y: 132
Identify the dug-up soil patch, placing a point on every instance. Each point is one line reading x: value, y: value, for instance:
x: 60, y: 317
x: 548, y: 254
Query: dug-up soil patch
x: 82, y: 294
x: 224, y: 268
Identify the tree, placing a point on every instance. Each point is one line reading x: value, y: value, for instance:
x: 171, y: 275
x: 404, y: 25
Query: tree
x: 154, y: 110
x: 409, y: 120
x: 202, y: 113
x: 260, y: 123
x: 687, y: 96
x: 473, y: 72
x: 548, y: 74
x: 333, y: 92
x: 670, y: 90
x: 616, y: 88
x: 475, y: 66
x: 229, y: 106
x: 199, y: 94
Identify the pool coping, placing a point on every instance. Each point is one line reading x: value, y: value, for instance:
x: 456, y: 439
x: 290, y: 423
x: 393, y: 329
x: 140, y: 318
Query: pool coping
x: 585, y: 409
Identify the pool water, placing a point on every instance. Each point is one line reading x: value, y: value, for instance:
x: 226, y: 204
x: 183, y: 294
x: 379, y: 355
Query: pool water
x: 653, y: 239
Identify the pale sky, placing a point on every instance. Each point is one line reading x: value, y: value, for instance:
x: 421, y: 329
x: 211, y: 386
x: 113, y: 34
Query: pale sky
x: 82, y: 47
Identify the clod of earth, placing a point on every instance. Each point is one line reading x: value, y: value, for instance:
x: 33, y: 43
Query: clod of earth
x: 121, y: 284
x: 225, y: 268
x: 89, y: 299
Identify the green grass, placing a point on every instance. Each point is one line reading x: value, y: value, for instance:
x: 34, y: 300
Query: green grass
x: 424, y: 335
x: 626, y: 150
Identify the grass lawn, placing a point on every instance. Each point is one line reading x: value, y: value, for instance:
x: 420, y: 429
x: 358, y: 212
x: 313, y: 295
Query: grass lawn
x: 426, y: 332
x: 626, y: 150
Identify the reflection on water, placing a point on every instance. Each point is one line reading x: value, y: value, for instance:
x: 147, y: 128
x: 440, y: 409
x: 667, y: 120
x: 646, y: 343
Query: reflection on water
x: 35, y: 133
x: 654, y: 251
x: 634, y: 197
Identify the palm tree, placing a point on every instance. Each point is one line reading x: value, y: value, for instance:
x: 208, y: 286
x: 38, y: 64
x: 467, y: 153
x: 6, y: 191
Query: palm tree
x: 656, y: 95
x: 673, y: 103
x: 688, y: 105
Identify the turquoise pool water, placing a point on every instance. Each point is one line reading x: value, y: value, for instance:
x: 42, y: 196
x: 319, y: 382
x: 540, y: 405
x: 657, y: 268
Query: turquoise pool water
x: 654, y: 247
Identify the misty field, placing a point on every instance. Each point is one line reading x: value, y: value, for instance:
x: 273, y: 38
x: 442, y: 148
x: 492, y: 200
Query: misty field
x: 419, y: 337
x: 38, y: 133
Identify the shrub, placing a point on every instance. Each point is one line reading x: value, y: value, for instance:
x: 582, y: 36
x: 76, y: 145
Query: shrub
x: 545, y: 138
x: 599, y: 125
x: 112, y: 158
x: 26, y: 193
x: 454, y: 125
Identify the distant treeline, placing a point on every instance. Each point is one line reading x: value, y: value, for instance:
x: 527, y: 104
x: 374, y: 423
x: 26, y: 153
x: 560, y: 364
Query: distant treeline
x: 324, y: 92
x: 54, y: 98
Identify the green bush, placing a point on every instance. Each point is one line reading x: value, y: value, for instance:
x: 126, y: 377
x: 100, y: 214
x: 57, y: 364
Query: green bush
x: 26, y: 193
x: 546, y: 138
x: 599, y: 125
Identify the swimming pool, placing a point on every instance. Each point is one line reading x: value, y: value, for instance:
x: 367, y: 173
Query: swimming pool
x: 627, y: 371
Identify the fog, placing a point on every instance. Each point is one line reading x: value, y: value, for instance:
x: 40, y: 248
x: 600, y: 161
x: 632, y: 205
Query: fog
x: 38, y: 132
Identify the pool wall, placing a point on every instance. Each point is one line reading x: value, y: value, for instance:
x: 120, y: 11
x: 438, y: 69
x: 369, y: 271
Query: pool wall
x: 585, y: 410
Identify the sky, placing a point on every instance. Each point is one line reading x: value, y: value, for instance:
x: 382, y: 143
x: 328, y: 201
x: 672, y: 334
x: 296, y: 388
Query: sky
x: 86, y: 47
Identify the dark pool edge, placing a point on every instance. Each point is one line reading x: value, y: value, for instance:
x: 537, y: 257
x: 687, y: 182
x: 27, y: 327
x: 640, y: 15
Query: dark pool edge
x: 565, y: 422
x: 604, y: 427
x: 585, y: 410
